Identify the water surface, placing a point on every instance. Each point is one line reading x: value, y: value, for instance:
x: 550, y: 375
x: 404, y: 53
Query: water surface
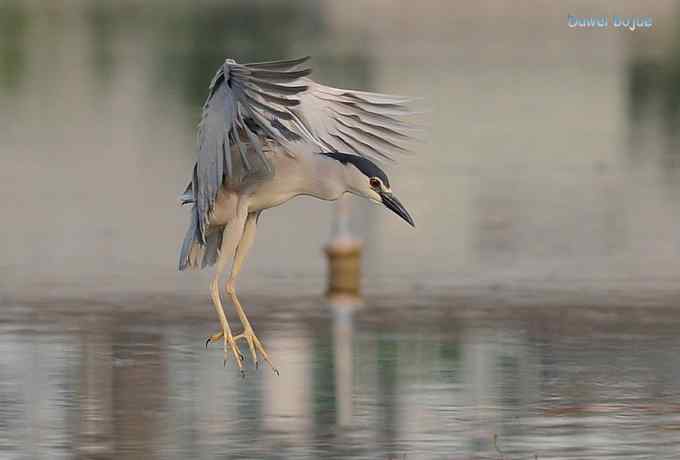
x: 98, y: 382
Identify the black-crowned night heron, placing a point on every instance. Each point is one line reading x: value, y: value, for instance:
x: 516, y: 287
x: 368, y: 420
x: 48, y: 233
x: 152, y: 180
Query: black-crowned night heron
x: 268, y: 134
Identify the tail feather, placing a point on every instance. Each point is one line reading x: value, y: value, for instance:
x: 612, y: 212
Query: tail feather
x: 190, y: 245
x: 212, y: 248
x: 193, y: 254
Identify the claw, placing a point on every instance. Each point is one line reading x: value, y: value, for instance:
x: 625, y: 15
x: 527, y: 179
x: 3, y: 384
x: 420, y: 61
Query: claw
x: 213, y: 338
x: 276, y: 371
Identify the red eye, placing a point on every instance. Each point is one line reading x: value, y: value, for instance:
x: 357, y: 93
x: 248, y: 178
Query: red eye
x: 375, y: 183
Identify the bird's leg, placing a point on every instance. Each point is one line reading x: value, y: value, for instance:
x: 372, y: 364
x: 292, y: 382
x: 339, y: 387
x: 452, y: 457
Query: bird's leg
x: 233, y: 232
x: 248, y: 334
x: 229, y: 341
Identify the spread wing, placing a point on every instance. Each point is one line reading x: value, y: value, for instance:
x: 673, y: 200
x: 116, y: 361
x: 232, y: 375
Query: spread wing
x: 367, y: 124
x: 248, y: 103
x: 243, y: 101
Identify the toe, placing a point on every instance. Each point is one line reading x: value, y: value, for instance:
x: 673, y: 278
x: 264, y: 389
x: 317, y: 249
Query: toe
x: 265, y: 356
x: 237, y: 354
x: 213, y: 338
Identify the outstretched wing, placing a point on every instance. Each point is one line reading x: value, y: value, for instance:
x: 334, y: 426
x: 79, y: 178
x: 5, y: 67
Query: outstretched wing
x: 367, y: 124
x: 274, y: 100
x: 243, y: 102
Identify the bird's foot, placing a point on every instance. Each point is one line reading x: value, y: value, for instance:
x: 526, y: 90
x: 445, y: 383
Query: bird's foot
x: 255, y: 346
x: 229, y: 345
x: 213, y: 338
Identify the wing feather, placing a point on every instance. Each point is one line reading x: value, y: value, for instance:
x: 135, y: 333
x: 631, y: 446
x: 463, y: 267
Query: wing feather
x: 283, y: 88
x: 267, y: 90
x: 274, y: 101
x: 371, y: 124
x: 283, y: 64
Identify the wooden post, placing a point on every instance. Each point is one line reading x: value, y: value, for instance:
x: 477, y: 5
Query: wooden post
x: 344, y: 258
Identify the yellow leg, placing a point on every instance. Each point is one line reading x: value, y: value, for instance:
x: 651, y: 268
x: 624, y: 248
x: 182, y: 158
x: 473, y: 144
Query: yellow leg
x: 254, y: 344
x: 232, y: 234
x: 249, y: 335
x: 229, y: 340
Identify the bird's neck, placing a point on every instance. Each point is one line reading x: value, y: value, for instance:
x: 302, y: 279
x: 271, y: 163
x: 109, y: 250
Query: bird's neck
x: 324, y: 177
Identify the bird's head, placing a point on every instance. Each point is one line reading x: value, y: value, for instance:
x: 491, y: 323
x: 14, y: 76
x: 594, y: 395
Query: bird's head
x: 365, y: 178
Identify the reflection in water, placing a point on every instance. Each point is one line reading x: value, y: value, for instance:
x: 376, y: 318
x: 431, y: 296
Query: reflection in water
x: 119, y: 385
x: 287, y: 407
x: 95, y: 388
x: 138, y: 361
x: 343, y: 342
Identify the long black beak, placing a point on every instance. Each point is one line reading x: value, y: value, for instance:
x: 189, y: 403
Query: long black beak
x: 395, y: 205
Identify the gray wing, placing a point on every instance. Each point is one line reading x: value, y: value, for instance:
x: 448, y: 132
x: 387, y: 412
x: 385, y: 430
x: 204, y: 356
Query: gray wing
x: 244, y: 102
x: 364, y: 123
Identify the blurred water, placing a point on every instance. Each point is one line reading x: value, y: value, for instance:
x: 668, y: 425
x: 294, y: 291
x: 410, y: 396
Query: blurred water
x: 427, y: 384
x: 545, y: 160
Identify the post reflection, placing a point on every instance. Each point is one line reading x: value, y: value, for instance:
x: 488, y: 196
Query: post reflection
x: 286, y: 403
x: 95, y: 430
x: 138, y: 361
x: 343, y: 342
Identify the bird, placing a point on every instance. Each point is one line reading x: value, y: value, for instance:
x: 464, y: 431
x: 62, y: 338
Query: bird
x: 267, y: 134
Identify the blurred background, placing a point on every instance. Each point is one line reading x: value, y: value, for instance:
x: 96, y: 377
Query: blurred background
x: 533, y: 301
